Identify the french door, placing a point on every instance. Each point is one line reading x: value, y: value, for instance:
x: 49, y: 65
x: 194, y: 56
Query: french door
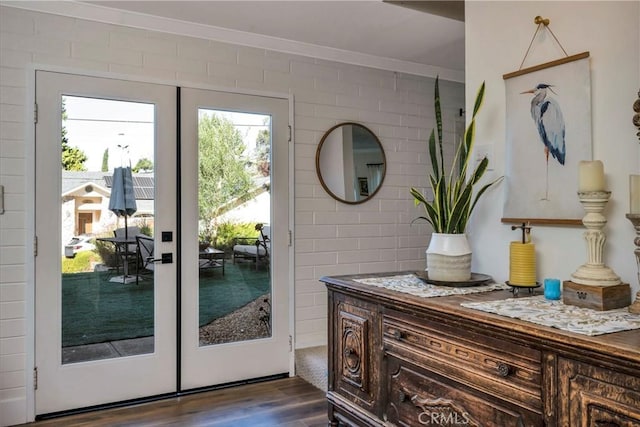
x: 108, y: 294
x: 100, y: 337
x: 234, y: 130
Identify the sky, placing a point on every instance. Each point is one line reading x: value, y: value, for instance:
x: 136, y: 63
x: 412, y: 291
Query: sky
x: 94, y: 125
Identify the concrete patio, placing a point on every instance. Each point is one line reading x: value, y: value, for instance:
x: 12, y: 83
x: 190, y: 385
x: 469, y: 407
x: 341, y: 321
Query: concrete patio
x: 107, y: 350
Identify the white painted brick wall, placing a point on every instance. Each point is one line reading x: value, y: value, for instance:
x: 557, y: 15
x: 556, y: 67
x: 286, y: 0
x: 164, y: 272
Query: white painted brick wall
x: 331, y: 238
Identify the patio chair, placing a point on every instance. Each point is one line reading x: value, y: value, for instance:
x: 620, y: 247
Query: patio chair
x: 128, y: 251
x: 145, y: 255
x: 131, y: 233
x: 256, y: 249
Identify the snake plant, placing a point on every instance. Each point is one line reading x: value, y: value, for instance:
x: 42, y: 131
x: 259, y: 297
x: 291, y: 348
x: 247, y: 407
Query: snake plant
x: 453, y: 199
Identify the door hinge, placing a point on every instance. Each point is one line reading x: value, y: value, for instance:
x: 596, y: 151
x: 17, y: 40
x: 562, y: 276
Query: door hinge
x: 289, y: 133
x: 35, y: 378
x: 290, y: 343
x: 35, y: 113
x: 290, y: 238
x: 35, y: 246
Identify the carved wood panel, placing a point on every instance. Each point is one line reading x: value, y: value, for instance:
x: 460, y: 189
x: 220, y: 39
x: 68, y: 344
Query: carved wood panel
x: 353, y: 348
x: 356, y: 372
x: 597, y: 397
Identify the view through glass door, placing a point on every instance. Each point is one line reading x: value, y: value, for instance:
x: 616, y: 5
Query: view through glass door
x: 105, y: 188
x: 106, y: 224
x: 235, y: 224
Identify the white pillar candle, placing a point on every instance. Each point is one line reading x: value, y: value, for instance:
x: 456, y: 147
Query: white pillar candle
x: 634, y: 194
x: 591, y: 176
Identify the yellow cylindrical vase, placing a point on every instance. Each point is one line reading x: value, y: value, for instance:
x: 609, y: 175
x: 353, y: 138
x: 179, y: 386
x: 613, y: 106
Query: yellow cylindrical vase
x: 522, y: 264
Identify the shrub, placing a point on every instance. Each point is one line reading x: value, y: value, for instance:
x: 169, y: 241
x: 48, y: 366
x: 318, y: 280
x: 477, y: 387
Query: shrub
x: 83, y: 262
x: 227, y: 231
x: 106, y: 251
x: 145, y: 227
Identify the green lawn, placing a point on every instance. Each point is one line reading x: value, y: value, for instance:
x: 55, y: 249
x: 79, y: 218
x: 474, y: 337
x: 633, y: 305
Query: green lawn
x: 96, y: 310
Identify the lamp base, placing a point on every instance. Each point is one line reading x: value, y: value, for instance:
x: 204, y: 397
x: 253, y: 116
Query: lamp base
x: 599, y: 298
x: 595, y: 275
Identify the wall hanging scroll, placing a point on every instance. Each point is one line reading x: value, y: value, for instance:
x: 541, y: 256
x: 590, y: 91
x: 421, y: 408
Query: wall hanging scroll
x: 548, y: 131
x: 636, y: 116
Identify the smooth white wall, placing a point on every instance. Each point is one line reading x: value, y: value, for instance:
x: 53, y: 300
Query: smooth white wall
x: 330, y: 238
x: 497, y: 37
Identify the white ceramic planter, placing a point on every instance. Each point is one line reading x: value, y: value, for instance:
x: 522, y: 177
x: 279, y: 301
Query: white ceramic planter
x: 449, y: 257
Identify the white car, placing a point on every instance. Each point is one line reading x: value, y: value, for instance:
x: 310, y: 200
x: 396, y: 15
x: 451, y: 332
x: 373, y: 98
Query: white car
x: 78, y: 244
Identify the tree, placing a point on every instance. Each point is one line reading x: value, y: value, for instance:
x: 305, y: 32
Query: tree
x: 223, y: 174
x: 263, y: 152
x: 143, y: 164
x: 105, y: 160
x: 73, y: 158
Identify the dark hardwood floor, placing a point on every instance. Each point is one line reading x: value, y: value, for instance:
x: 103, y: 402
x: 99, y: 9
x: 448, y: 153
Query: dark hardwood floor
x: 289, y: 402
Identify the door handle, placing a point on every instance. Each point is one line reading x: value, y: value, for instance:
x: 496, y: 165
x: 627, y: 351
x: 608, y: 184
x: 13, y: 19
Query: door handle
x: 166, y: 258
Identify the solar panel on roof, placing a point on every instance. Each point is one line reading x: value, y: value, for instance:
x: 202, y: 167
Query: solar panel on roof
x: 143, y: 186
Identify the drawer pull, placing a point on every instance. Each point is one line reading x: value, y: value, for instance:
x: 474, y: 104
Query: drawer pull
x: 503, y: 369
x: 402, y: 396
x: 606, y: 424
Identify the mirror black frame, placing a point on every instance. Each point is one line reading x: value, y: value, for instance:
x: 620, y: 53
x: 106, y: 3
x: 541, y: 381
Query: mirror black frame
x: 319, y: 173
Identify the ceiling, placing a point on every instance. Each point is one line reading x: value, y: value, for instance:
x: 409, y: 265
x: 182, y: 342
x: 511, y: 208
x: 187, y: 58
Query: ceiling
x: 371, y: 27
x: 418, y: 37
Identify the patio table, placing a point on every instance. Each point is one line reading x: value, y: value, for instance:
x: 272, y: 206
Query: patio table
x: 211, y: 258
x: 121, y: 245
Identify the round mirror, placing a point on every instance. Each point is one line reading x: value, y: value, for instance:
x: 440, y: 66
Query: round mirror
x: 350, y: 163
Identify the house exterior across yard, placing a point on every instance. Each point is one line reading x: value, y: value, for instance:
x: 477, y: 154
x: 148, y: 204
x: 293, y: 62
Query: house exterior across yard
x: 85, y: 202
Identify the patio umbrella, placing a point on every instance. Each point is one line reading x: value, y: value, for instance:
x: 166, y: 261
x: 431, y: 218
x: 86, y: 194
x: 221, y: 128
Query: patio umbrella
x: 123, y: 201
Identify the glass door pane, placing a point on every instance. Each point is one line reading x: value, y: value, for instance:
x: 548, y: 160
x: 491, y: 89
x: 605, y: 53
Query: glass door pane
x: 234, y: 206
x: 107, y: 295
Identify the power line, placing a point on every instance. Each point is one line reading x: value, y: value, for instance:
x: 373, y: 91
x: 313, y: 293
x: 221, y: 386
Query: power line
x: 109, y: 121
x: 145, y: 122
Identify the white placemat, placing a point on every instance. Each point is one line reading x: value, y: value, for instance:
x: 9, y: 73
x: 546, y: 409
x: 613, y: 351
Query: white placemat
x: 411, y: 284
x: 558, y: 315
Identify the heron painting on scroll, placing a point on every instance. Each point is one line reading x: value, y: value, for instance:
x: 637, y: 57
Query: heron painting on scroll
x: 548, y: 132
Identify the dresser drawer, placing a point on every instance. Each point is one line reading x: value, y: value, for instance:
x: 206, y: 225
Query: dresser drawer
x: 499, y: 367
x: 418, y: 397
x: 597, y: 397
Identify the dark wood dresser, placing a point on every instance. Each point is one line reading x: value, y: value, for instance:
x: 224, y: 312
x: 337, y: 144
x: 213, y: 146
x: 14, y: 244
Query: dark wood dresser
x: 401, y: 360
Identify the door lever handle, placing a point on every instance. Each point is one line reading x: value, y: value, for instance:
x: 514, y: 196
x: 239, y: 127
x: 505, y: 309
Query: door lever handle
x: 166, y: 258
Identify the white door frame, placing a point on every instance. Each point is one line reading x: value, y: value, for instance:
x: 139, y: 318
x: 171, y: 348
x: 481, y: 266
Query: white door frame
x: 29, y: 132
